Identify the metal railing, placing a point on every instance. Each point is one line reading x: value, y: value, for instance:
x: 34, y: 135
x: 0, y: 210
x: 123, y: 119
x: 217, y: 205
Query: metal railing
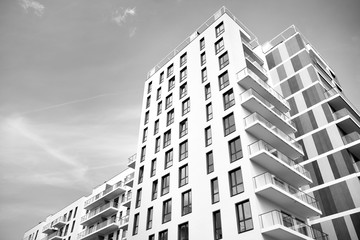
x: 96, y: 227
x: 275, y: 217
x: 262, y: 145
x: 103, y: 193
x: 132, y: 158
x: 98, y: 210
x: 256, y: 64
x: 267, y: 178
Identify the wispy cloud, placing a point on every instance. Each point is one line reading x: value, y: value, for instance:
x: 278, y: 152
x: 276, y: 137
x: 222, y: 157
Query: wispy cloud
x: 35, y: 6
x: 120, y: 17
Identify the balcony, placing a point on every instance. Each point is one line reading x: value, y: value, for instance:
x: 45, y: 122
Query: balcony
x: 277, y: 163
x: 262, y: 129
x: 248, y: 79
x: 53, y: 236
x: 124, y: 222
x: 248, y: 52
x: 132, y: 161
x: 281, y: 226
x: 129, y: 180
x: 252, y: 64
x: 59, y: 222
x: 254, y: 102
x: 353, y: 139
x: 285, y: 195
x: 47, y: 229
x: 127, y: 200
x: 101, y: 212
x: 101, y: 229
x: 109, y: 193
x: 349, y: 123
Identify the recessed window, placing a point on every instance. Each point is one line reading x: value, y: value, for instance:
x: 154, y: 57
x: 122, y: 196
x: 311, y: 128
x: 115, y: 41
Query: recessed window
x: 243, y: 214
x: 235, y: 149
x: 158, y: 94
x: 171, y: 83
x: 229, y: 99
x: 149, y: 87
x: 229, y: 124
x: 186, y: 203
x: 167, y: 138
x: 219, y: 29
x: 183, y: 231
x: 219, y: 45
x: 183, y: 90
x: 149, y: 218
x: 154, y: 190
x: 153, y: 168
x: 183, y: 150
x: 170, y: 117
x: 183, y: 59
x: 165, y: 184
x: 203, y: 58
x: 163, y: 235
x: 209, y: 162
x: 209, y: 112
x: 138, y: 198
x: 161, y: 79
x: 159, y: 108
x: 166, y: 216
x: 170, y: 70
x: 145, y: 133
x: 157, y: 144
x: 183, y: 74
x: 208, y: 136
x: 136, y: 224
x: 186, y: 106
x: 143, y: 153
x: 156, y: 127
x: 223, y: 80
x: 141, y: 174
x: 223, y: 60
x: 202, y: 44
x: 168, y: 101
x: 183, y: 128
x: 152, y: 237
x: 204, y: 75
x: 148, y: 100
x: 207, y: 91
x: 146, y: 117
x: 169, y: 156
x: 236, y: 182
x: 217, y: 225
x: 183, y: 175
x: 215, y: 195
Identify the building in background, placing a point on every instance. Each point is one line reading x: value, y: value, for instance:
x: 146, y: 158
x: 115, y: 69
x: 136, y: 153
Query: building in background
x: 236, y: 140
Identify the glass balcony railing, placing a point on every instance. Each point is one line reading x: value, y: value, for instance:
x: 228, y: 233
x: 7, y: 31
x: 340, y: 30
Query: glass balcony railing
x: 343, y: 113
x: 124, y: 220
x: 127, y: 197
x: 262, y: 145
x: 48, y: 228
x: 129, y: 177
x: 267, y: 178
x: 132, y: 158
x: 275, y: 217
x: 56, y: 234
x: 257, y: 117
x: 98, y: 210
x: 256, y: 64
x: 96, y: 228
x: 351, y: 137
x: 59, y: 222
x: 103, y: 193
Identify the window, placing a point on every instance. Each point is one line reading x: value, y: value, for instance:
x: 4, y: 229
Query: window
x: 210, y: 162
x: 159, y: 108
x: 143, y: 153
x: 138, y: 198
x: 161, y: 77
x: 229, y: 124
x: 146, y: 117
x: 183, y: 74
x: 186, y: 203
x: 235, y: 149
x: 215, y: 195
x: 186, y: 106
x: 183, y: 175
x: 167, y: 138
x: 149, y: 87
x: 209, y: 112
x: 148, y: 100
x: 171, y: 83
x: 217, y: 225
x: 156, y: 127
x: 204, y: 75
x: 183, y: 231
x: 223, y: 80
x: 170, y: 117
x: 168, y: 101
x: 219, y: 29
x: 145, y: 135
x: 203, y: 58
x: 136, y: 224
x: 163, y: 235
x: 154, y: 190
x: 183, y: 128
x: 158, y: 94
x: 183, y: 59
x: 183, y: 90
x: 165, y: 184
x: 153, y: 168
x: 166, y: 216
x: 169, y: 158
x: 219, y: 46
x: 170, y: 70
x: 208, y: 138
x: 149, y: 218
x: 202, y: 44
x: 157, y: 144
x: 243, y: 214
x: 152, y: 237
x: 223, y: 60
x: 236, y: 182
x: 183, y: 150
x: 229, y: 99
x: 207, y: 91
x: 141, y: 174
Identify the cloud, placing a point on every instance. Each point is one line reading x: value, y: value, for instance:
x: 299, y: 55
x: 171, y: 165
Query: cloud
x: 132, y: 32
x: 37, y: 7
x: 120, y: 17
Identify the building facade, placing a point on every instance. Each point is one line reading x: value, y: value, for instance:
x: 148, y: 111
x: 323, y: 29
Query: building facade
x: 236, y: 140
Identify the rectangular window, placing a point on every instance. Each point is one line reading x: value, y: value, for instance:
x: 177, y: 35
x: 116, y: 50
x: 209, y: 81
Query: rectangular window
x: 183, y: 90
x: 183, y: 59
x: 183, y: 231
x: 223, y: 80
x: 170, y: 70
x: 207, y: 91
x: 152, y: 237
x: 146, y: 117
x: 149, y: 218
x: 166, y: 216
x: 215, y: 195
x: 158, y: 93
x: 229, y: 124
x: 136, y: 224
x: 219, y: 29
x: 138, y: 198
x: 210, y: 162
x: 209, y: 112
x: 159, y: 108
x: 243, y: 214
x: 171, y: 83
x: 204, y: 75
x: 143, y: 153
x: 183, y: 74
x: 145, y: 134
x: 153, y: 168
x: 223, y: 60
x: 183, y: 175
x: 219, y: 45
x: 169, y: 158
x: 148, y: 100
x: 149, y: 87
x: 167, y: 138
x: 186, y: 106
x: 229, y: 99
x: 170, y: 117
x: 163, y: 235
x: 217, y: 225
x: 157, y: 144
x: 235, y: 149
x: 208, y: 136
x: 203, y: 58
x: 202, y: 44
x: 165, y: 184
x: 154, y: 190
x: 186, y: 203
x: 183, y: 150
x: 161, y: 77
x: 183, y: 128
x: 156, y: 127
x: 168, y: 101
x: 236, y: 182
x: 141, y: 174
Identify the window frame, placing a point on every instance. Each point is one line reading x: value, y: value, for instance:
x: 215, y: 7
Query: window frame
x: 141, y: 175
x: 219, y: 45
x: 183, y: 59
x: 170, y: 117
x: 156, y: 126
x: 157, y: 144
x: 183, y: 175
x: 207, y: 90
x: 170, y: 70
x: 224, y: 80
x: 229, y: 99
x: 183, y: 74
x: 208, y: 136
x: 224, y: 60
x: 138, y: 198
x: 215, y: 191
x: 154, y: 190
x: 183, y: 90
x: 153, y: 168
x: 202, y: 43
x: 216, y: 228
x: 149, y: 218
x: 159, y: 108
x: 166, y: 210
x: 169, y: 158
x: 167, y: 138
x: 183, y: 150
x: 143, y: 154
x: 219, y: 29
x: 210, y: 162
x: 136, y: 224
x: 186, y: 208
x: 234, y: 153
x: 185, y: 106
x: 171, y: 83
x: 203, y: 58
x: 204, y: 75
x: 235, y: 186
x: 168, y: 101
x: 209, y: 111
x: 240, y: 215
x: 183, y: 128
x: 229, y: 124
x: 165, y: 184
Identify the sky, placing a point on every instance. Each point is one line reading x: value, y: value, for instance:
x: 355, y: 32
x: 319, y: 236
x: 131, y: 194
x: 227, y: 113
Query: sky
x: 71, y: 83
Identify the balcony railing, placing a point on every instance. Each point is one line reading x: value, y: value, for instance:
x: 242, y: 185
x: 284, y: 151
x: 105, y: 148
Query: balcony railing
x: 56, y: 235
x: 99, y: 210
x: 48, y: 228
x: 351, y: 137
x: 267, y: 178
x: 275, y: 218
x: 262, y: 145
x: 257, y: 117
x: 132, y: 158
x: 129, y: 177
x: 343, y: 113
x: 96, y: 228
x: 124, y: 220
x: 103, y: 193
x: 59, y: 222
